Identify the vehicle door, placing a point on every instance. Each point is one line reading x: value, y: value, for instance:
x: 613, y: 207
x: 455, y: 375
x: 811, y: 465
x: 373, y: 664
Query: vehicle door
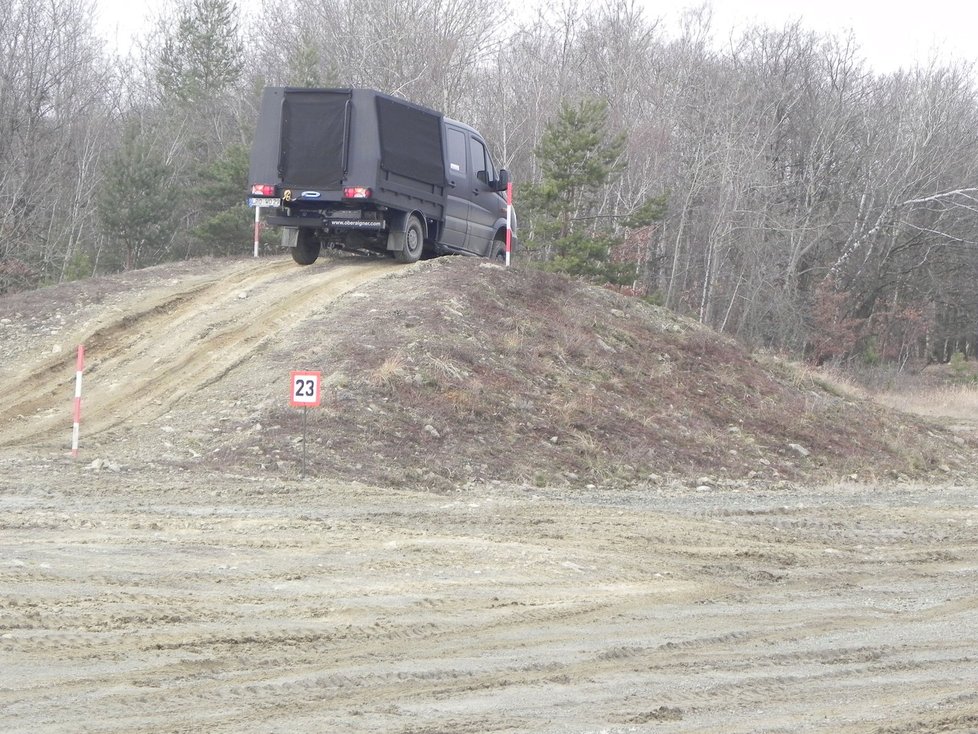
x: 484, y: 211
x: 457, y: 202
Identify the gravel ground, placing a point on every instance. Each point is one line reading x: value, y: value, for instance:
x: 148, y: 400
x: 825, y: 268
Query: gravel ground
x: 148, y: 600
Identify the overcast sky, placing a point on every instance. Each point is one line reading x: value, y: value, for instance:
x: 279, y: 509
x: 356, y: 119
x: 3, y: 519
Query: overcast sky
x: 891, y: 34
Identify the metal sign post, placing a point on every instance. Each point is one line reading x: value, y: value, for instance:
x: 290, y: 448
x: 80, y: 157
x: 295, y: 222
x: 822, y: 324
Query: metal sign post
x: 257, y: 228
x: 259, y: 203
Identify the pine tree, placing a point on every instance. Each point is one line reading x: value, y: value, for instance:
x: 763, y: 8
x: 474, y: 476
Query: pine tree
x: 136, y: 202
x: 226, y: 221
x: 579, y: 158
x: 202, y: 56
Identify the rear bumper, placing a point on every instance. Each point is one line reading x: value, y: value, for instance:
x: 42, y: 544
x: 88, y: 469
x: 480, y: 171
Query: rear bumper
x: 333, y: 224
x: 336, y: 224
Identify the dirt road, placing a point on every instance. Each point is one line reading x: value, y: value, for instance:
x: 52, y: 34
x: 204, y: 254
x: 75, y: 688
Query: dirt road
x: 141, y: 601
x: 156, y: 347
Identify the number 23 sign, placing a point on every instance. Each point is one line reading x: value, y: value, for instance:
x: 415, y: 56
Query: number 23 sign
x: 305, y: 391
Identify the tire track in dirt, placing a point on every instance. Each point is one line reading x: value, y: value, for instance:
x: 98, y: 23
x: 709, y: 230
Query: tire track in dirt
x: 41, y: 382
x: 288, y: 664
x: 167, y: 344
x: 155, y: 601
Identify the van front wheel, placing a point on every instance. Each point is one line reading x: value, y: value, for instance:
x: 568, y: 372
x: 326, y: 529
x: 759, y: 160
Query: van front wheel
x: 413, y: 242
x: 498, y: 255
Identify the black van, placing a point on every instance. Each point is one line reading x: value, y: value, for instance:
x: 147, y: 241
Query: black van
x: 361, y: 170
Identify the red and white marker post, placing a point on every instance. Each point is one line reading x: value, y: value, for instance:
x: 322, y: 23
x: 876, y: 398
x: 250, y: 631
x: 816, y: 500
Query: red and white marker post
x: 76, y: 427
x: 509, y: 221
x: 257, y: 228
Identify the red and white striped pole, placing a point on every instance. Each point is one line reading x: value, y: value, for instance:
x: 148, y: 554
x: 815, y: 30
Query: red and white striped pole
x: 76, y: 428
x: 257, y: 228
x: 509, y: 221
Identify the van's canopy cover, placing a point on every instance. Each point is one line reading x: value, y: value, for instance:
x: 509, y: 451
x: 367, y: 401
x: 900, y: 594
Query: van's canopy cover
x: 410, y: 141
x: 316, y: 132
x: 314, y: 137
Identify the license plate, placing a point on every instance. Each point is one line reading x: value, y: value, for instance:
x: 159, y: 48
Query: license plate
x: 264, y: 202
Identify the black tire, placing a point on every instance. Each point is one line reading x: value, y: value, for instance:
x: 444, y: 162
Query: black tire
x: 306, y: 250
x: 413, y: 242
x: 499, y: 252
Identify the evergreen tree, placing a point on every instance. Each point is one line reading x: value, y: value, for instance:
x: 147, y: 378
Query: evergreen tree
x: 579, y: 158
x: 226, y: 222
x: 198, y: 66
x: 308, y: 65
x: 136, y: 202
x: 202, y: 56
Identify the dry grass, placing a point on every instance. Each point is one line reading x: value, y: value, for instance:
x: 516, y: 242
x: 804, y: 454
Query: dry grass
x: 392, y: 370
x: 937, y: 391
x: 958, y: 402
x: 830, y: 379
x: 448, y: 369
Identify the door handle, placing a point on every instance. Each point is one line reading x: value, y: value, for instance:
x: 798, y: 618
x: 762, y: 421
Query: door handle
x: 452, y: 183
x: 475, y: 191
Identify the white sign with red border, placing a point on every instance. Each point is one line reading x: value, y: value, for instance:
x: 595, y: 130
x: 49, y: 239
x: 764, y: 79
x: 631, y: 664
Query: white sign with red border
x: 305, y: 389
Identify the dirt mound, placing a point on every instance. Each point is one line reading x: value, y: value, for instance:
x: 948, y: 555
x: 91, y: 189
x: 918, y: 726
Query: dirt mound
x: 457, y: 370
x: 439, y: 374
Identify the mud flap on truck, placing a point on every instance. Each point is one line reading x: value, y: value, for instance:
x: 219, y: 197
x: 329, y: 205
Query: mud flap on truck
x: 290, y: 237
x: 302, y: 243
x: 396, y: 225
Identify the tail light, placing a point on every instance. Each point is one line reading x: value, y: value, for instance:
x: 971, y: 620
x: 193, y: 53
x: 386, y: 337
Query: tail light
x: 262, y: 190
x: 357, y: 192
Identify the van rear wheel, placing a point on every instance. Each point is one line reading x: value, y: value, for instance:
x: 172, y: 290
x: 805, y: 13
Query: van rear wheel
x: 306, y: 250
x: 413, y: 242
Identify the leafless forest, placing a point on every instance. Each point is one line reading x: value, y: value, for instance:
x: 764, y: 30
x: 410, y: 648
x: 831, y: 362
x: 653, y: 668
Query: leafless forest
x: 810, y: 203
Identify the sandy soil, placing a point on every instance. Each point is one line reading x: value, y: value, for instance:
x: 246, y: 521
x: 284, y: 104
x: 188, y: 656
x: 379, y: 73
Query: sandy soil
x: 153, y: 595
x: 159, y: 344
x: 141, y: 601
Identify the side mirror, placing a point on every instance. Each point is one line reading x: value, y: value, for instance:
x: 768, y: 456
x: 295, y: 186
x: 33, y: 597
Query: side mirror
x: 502, y: 182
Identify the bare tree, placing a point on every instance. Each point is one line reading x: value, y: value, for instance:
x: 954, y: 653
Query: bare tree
x: 425, y: 50
x: 52, y: 87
